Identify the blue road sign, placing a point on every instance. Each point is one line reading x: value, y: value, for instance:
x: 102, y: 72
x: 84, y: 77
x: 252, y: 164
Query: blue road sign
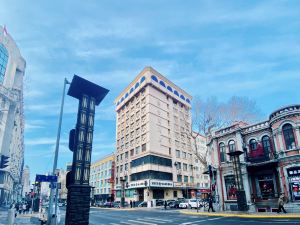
x: 44, y: 178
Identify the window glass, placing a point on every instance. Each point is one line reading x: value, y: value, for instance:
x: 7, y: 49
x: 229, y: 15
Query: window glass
x: 289, y: 138
x: 3, y: 62
x: 230, y: 187
x: 222, y: 152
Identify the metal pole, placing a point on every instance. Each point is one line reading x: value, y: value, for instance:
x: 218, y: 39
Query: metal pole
x: 56, y: 200
x: 56, y: 151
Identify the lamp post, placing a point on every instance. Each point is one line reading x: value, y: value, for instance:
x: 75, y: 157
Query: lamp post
x: 56, y: 154
x: 241, y: 196
x: 80, y: 143
x: 122, y: 180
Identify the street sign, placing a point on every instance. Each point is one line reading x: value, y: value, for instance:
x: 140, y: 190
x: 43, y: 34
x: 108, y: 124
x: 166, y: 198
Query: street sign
x: 45, y: 178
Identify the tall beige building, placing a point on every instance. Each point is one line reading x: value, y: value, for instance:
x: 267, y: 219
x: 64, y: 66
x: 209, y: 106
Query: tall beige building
x: 154, y: 154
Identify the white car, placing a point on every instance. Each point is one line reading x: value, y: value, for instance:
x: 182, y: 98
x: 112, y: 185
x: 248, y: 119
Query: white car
x: 189, y: 203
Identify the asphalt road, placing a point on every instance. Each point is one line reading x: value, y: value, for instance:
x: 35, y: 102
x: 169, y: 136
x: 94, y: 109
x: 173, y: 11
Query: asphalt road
x: 100, y: 216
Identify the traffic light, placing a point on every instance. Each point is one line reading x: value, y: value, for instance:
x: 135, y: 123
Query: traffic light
x: 4, y: 161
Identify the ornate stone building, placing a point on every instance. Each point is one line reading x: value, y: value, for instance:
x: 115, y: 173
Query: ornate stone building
x: 270, y: 163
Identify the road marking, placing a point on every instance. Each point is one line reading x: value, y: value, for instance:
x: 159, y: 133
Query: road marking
x: 142, y: 222
x: 197, y: 221
x: 114, y: 224
x: 156, y: 221
x: 164, y: 220
x: 126, y: 223
x: 215, y: 218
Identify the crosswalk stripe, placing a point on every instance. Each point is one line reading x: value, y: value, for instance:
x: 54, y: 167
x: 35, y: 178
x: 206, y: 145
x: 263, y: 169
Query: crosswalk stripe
x: 150, y: 218
x: 198, y: 221
x: 215, y: 218
x: 142, y: 222
x: 147, y: 220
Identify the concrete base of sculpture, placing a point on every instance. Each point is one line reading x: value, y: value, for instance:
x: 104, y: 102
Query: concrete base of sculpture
x: 78, y: 205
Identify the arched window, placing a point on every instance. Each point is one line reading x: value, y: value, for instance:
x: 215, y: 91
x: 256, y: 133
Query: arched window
x: 266, y: 143
x: 3, y: 62
x: 222, y: 152
x: 126, y: 95
x: 131, y: 90
x: 142, y: 79
x: 176, y: 93
x: 231, y: 145
x: 169, y: 88
x: 289, y: 137
x: 182, y: 97
x: 154, y: 78
x: 136, y: 85
x: 188, y: 101
x: 253, y: 145
x: 162, y: 83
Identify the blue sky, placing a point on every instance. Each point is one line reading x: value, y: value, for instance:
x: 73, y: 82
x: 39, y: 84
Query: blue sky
x: 209, y: 48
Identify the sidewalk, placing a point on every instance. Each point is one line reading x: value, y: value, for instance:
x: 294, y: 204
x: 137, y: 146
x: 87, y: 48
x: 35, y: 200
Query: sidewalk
x: 238, y: 214
x: 22, y: 219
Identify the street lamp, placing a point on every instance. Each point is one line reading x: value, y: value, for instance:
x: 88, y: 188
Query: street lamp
x: 241, y: 196
x: 56, y: 154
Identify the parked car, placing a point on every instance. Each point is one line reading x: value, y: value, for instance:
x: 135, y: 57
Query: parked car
x: 108, y: 204
x: 159, y: 202
x: 99, y: 204
x: 142, y: 204
x: 175, y: 204
x: 169, y: 201
x: 190, y: 203
x: 116, y: 204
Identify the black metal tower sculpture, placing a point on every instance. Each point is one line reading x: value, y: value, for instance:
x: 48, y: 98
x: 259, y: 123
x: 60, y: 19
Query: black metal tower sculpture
x: 80, y: 143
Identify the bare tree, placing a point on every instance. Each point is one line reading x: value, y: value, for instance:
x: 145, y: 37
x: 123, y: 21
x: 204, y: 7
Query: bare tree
x: 212, y: 114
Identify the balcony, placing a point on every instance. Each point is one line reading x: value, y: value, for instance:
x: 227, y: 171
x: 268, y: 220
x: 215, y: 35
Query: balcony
x: 260, y: 157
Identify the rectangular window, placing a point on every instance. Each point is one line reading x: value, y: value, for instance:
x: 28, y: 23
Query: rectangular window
x: 186, y: 179
x: 131, y: 152
x: 178, y: 165
x: 175, y: 194
x: 143, y: 147
x: 184, y: 155
x: 179, y: 178
x: 177, y: 154
x: 137, y: 150
x: 184, y: 167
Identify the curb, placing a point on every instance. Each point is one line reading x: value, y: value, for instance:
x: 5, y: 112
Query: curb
x: 249, y: 216
x: 115, y: 209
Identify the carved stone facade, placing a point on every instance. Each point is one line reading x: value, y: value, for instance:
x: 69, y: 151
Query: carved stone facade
x: 270, y: 164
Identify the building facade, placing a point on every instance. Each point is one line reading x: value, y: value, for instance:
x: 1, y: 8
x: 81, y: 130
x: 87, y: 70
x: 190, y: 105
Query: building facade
x: 26, y: 181
x: 153, y: 151
x: 12, y: 69
x: 202, y: 180
x: 102, y: 178
x: 270, y: 163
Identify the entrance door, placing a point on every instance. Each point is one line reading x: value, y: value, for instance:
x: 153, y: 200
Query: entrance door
x: 266, y: 186
x: 158, y: 194
x: 141, y: 194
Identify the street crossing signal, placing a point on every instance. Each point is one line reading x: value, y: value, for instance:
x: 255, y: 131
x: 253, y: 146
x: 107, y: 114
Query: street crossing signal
x: 4, y: 161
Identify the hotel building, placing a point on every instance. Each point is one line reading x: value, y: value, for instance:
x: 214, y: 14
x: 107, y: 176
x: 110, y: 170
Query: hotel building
x: 153, y: 151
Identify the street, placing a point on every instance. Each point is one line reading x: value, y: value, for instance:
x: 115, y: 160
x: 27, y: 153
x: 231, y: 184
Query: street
x: 100, y: 216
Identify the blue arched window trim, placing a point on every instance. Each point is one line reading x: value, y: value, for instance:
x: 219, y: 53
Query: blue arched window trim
x: 126, y: 95
x: 170, y: 89
x: 122, y: 99
x: 188, y: 101
x: 182, y: 97
x: 136, y: 85
x: 142, y: 79
x: 162, y: 83
x: 176, y: 93
x: 154, y: 78
x: 118, y: 103
x: 131, y: 90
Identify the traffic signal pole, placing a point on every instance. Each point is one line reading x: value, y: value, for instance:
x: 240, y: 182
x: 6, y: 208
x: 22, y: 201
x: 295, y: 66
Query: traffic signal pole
x: 56, y: 153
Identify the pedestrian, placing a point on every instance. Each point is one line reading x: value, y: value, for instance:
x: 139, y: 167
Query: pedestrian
x: 133, y: 203
x: 165, y: 205
x: 130, y: 203
x: 210, y: 203
x: 24, y: 208
x: 281, y: 201
x: 20, y: 207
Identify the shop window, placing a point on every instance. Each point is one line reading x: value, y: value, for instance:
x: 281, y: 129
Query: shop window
x: 266, y: 186
x: 294, y: 181
x: 289, y: 138
x: 230, y: 186
x: 186, y: 179
x: 179, y: 178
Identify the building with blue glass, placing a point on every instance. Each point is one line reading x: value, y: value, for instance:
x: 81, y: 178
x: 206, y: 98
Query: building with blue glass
x: 12, y: 69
